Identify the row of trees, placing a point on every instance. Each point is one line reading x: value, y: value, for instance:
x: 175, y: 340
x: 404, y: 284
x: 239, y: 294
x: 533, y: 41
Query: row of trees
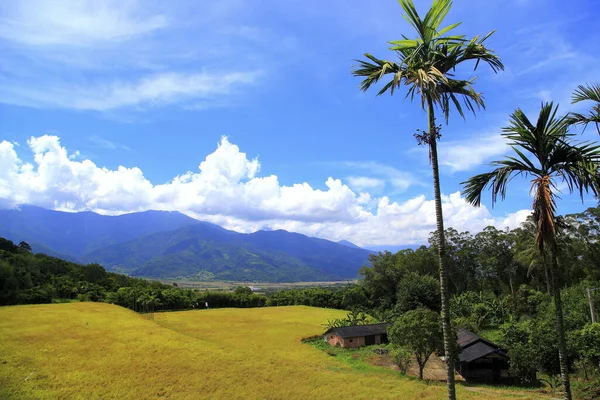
x: 427, y: 67
x: 27, y: 278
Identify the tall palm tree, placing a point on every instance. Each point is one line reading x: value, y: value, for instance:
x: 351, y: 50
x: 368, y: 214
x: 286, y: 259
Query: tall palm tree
x: 583, y: 93
x: 544, y: 152
x: 426, y: 66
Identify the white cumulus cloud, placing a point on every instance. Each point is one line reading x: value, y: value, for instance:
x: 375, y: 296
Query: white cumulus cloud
x: 227, y: 189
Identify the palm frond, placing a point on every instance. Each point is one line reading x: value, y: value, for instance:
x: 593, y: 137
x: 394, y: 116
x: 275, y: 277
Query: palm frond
x: 375, y: 70
x: 450, y: 93
x: 589, y: 92
x: 495, y: 180
x: 427, y: 61
x: 546, y: 151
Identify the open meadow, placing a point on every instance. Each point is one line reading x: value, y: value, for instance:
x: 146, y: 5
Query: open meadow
x: 97, y: 350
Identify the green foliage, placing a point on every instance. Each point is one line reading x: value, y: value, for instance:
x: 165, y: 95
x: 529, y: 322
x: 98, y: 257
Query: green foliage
x: 586, y: 341
x: 353, y: 318
x: 418, y: 291
x: 383, y: 279
x: 476, y: 311
x: 526, y: 302
x: 402, y: 357
x: 25, y: 247
x: 532, y: 346
x: 419, y: 331
x: 524, y: 359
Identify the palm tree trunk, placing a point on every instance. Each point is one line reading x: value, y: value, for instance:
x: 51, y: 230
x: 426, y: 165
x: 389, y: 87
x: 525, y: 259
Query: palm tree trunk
x: 449, y: 338
x: 548, y: 274
x: 562, y: 347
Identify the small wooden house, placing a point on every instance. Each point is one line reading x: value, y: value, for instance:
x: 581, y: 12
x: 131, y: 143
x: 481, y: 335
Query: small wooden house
x: 357, y: 336
x: 481, y: 360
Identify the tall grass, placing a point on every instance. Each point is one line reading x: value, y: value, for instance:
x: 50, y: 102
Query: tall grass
x: 100, y: 351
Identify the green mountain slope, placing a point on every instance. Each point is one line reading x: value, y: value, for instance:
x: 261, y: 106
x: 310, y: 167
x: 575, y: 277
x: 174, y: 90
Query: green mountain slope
x: 205, y: 251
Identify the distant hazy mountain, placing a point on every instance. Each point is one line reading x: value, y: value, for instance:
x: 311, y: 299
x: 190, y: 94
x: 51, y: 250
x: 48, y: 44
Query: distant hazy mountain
x: 76, y: 234
x: 159, y: 244
x: 392, y: 248
x: 349, y: 244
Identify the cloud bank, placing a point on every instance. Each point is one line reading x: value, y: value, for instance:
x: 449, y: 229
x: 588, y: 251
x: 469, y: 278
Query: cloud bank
x: 227, y: 189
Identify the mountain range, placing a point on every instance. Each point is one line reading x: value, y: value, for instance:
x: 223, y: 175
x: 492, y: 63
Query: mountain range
x: 168, y: 245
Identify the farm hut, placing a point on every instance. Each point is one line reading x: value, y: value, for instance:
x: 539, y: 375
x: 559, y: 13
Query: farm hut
x: 357, y: 336
x: 481, y: 360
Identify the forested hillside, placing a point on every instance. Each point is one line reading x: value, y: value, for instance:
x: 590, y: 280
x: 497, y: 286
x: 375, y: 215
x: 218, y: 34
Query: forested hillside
x: 162, y: 245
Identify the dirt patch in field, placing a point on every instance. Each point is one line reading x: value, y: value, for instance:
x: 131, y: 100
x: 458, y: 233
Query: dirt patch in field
x: 435, y: 369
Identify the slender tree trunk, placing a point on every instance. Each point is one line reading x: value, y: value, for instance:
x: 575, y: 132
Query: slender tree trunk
x: 562, y: 347
x: 449, y: 338
x: 421, y: 367
x: 549, y: 285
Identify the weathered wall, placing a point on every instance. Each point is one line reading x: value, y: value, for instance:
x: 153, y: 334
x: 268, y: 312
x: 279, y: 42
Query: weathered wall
x: 354, y: 342
x: 333, y: 340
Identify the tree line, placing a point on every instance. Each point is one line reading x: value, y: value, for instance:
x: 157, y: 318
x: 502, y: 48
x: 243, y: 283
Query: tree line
x: 27, y: 278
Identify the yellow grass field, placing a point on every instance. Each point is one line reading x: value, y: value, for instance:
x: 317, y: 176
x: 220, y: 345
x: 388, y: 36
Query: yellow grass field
x: 101, y: 351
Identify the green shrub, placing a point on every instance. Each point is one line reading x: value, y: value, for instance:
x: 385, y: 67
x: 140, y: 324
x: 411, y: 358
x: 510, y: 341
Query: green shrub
x: 402, y: 357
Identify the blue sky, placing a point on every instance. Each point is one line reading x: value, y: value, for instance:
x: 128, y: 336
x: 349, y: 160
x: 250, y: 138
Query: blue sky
x: 121, y: 106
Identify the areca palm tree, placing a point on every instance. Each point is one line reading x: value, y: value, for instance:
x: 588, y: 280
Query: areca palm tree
x: 544, y: 152
x: 426, y: 67
x: 589, y: 92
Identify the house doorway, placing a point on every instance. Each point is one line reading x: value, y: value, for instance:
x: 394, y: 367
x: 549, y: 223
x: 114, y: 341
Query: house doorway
x: 369, y: 340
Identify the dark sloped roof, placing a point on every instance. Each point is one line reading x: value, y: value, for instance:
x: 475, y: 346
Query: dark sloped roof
x: 479, y: 350
x: 474, y: 346
x: 467, y: 338
x: 359, y: 330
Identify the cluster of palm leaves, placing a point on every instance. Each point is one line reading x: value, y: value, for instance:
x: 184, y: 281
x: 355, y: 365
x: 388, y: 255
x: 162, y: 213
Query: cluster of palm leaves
x: 591, y: 93
x: 545, y: 151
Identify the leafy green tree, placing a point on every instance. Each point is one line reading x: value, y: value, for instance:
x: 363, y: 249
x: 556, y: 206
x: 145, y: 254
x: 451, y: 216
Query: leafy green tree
x: 590, y: 92
x: 496, y: 258
x: 461, y: 252
x: 416, y: 291
x: 526, y: 302
x: 426, y: 66
x: 524, y: 357
x: 587, y: 343
x: 354, y: 297
x: 402, y: 357
x: 382, y: 278
x: 419, y: 331
x: 527, y: 253
x: 25, y: 247
x: 243, y: 291
x: 584, y: 228
x: 551, y: 158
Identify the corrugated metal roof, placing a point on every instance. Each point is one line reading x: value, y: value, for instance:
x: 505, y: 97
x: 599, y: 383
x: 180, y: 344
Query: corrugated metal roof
x: 359, y: 330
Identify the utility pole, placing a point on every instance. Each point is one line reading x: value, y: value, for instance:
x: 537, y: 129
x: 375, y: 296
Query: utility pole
x: 591, y: 301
